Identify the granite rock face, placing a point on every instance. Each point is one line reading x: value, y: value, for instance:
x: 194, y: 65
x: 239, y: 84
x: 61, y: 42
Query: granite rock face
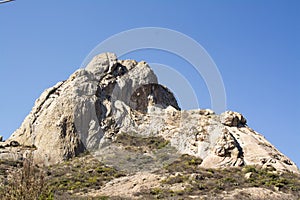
x: 111, y: 96
x: 84, y: 111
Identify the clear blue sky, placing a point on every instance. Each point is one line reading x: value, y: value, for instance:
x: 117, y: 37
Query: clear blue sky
x: 255, y: 44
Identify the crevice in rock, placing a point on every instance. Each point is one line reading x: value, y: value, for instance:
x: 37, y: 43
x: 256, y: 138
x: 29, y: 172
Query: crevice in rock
x: 39, y: 108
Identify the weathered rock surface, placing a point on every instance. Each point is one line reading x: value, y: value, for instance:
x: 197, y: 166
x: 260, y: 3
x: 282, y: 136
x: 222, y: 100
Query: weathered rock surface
x: 84, y: 111
x: 127, y: 186
x: 111, y: 96
x: 230, y: 118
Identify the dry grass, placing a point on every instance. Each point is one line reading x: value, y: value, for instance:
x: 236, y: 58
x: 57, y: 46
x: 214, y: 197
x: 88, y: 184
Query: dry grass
x: 25, y: 183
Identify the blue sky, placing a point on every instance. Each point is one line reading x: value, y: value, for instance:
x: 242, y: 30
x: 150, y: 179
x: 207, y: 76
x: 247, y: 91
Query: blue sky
x: 255, y: 45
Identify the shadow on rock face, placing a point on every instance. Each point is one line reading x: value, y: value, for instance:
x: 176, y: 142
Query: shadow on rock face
x: 159, y: 94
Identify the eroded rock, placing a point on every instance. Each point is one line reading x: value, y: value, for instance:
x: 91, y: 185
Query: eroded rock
x: 111, y: 96
x: 230, y: 118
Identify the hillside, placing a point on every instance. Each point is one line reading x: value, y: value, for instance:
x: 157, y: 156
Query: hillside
x: 111, y: 131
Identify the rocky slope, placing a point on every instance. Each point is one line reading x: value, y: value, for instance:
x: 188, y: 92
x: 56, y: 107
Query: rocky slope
x: 85, y: 177
x: 117, y: 111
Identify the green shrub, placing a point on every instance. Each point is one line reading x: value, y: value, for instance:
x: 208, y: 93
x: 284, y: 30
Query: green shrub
x: 185, y: 163
x: 137, y: 143
x: 155, y: 191
x: 249, y: 168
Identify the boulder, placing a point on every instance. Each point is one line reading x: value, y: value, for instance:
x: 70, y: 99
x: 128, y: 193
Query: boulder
x: 230, y: 118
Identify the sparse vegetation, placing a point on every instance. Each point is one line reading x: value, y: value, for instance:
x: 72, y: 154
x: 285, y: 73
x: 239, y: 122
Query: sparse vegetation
x: 185, y: 163
x: 26, y: 182
x: 287, y: 182
x: 137, y: 143
x: 198, y: 181
x: 81, y: 174
x: 182, y: 178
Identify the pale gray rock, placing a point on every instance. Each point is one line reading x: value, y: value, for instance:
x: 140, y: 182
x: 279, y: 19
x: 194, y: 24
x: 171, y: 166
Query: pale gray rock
x: 111, y: 96
x: 249, y: 175
x: 86, y: 111
x: 103, y: 63
x: 228, y: 147
x: 230, y: 118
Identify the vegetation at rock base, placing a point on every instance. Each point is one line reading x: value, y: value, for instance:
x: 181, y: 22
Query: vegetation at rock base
x: 181, y: 179
x: 185, y: 163
x: 25, y: 181
x: 133, y: 142
x: 184, y: 178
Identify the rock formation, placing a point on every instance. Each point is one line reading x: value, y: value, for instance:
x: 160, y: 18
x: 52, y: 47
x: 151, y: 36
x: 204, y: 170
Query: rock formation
x: 110, y: 96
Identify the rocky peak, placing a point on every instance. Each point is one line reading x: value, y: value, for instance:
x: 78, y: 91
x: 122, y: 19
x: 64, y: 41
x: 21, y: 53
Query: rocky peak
x: 111, y: 97
x: 83, y: 112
